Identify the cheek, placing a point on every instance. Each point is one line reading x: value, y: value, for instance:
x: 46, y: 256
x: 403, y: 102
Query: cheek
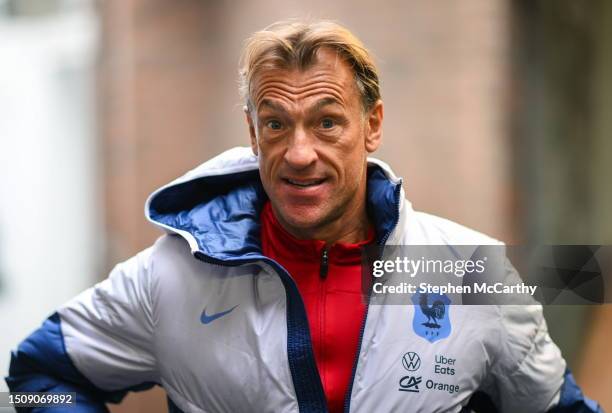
x: 266, y: 166
x: 351, y: 158
x: 262, y: 161
x: 354, y: 175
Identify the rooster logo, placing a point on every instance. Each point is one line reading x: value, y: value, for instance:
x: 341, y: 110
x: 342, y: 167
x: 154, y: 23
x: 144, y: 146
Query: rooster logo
x: 431, y: 316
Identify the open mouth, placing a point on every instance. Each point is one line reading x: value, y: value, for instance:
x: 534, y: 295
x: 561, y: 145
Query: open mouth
x: 304, y: 183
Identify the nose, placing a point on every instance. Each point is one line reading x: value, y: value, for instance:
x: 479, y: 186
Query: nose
x: 301, y: 151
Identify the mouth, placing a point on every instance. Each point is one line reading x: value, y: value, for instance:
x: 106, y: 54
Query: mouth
x: 304, y: 183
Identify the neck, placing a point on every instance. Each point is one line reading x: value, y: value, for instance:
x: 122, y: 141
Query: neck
x: 350, y: 230
x: 347, y: 230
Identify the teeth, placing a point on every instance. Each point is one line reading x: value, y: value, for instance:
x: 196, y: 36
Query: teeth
x: 304, y: 183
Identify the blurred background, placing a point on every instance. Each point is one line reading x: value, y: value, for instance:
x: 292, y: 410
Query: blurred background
x: 498, y: 114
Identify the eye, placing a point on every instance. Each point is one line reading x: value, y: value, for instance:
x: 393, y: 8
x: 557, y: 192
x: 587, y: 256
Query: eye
x: 327, y: 123
x: 274, y: 125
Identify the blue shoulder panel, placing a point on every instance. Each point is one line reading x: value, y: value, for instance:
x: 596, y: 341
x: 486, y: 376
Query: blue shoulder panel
x: 572, y: 400
x: 41, y: 364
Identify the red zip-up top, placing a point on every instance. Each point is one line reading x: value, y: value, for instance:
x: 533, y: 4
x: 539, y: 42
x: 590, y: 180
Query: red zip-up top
x: 329, y: 281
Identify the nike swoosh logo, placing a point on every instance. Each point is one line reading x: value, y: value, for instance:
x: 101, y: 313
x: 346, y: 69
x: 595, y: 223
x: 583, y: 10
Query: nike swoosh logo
x: 207, y: 319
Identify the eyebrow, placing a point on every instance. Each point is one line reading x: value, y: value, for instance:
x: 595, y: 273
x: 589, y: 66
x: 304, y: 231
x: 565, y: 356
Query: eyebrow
x: 325, y: 102
x: 272, y: 105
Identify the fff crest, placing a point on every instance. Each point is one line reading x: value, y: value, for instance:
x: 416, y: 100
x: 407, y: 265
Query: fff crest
x: 431, y: 319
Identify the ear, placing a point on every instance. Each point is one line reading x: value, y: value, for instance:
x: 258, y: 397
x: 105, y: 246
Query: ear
x: 252, y: 133
x: 374, y: 120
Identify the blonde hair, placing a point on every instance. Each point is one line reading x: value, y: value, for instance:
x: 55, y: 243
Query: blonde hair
x: 293, y: 44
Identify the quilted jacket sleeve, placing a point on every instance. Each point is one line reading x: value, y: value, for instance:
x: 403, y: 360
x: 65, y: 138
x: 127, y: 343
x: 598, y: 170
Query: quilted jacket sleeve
x: 99, y: 345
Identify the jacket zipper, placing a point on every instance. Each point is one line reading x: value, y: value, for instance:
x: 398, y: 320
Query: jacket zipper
x: 322, y: 303
x: 383, y: 241
x: 324, y: 263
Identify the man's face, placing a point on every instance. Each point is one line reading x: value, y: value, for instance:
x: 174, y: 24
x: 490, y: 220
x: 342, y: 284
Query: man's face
x: 312, y: 138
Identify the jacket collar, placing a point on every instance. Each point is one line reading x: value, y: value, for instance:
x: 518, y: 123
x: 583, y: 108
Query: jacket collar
x: 216, y: 206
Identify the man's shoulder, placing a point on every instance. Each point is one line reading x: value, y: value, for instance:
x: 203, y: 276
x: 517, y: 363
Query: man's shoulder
x: 426, y: 228
x: 170, y: 249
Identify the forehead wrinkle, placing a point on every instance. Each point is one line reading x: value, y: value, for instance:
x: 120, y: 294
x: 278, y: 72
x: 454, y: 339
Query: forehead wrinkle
x: 286, y: 107
x: 298, y: 83
x: 339, y: 86
x: 293, y: 94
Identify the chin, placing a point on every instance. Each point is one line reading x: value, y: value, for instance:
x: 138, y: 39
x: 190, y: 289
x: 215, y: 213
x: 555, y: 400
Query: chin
x: 302, y: 218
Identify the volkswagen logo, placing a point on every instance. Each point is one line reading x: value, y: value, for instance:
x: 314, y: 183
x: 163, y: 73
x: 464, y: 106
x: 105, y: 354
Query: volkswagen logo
x: 411, y: 361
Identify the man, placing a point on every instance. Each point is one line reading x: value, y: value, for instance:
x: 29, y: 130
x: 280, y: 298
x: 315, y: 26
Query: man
x: 252, y: 301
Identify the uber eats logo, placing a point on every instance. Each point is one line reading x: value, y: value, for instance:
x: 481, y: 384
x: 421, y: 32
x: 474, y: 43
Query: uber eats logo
x: 411, y: 362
